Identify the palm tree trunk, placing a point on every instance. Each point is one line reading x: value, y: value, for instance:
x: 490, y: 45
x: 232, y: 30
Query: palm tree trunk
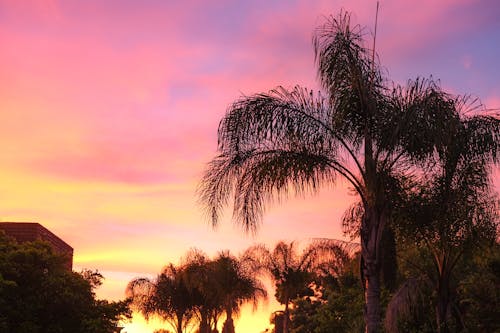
x: 228, y: 324
x: 215, y: 324
x: 179, y: 323
x: 204, y: 326
x: 370, y: 241
x: 286, y: 317
x: 372, y: 226
x: 442, y: 305
x: 441, y: 312
x: 372, y: 299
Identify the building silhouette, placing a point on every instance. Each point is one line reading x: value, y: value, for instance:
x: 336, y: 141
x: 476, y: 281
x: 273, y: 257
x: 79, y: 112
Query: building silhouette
x: 32, y: 231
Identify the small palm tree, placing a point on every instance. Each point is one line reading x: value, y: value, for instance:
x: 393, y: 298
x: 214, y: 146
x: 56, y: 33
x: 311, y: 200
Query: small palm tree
x: 200, y: 282
x: 361, y: 129
x: 235, y: 284
x: 167, y: 297
x: 292, y: 272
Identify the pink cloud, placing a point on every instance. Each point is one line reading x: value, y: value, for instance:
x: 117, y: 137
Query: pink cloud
x: 407, y: 29
x: 43, y: 10
x: 108, y: 102
x: 493, y: 102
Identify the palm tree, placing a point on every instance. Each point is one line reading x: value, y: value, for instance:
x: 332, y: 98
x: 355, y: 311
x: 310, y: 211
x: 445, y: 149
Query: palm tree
x: 271, y: 144
x: 452, y: 210
x: 235, y: 284
x: 200, y: 282
x: 292, y: 272
x: 167, y: 297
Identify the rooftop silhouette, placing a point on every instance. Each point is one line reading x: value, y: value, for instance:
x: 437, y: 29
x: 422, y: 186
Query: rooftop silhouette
x: 32, y: 231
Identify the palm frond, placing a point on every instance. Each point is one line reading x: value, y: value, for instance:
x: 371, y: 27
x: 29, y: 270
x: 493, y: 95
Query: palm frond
x: 404, y: 303
x: 482, y: 134
x: 332, y: 255
x: 351, y: 220
x: 259, y: 177
x: 280, y: 118
x: 254, y: 259
x: 344, y: 64
x: 140, y: 291
x: 418, y: 120
x: 272, y: 144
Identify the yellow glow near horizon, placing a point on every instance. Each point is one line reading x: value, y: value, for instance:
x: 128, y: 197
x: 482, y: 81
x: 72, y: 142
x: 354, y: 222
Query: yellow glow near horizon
x: 249, y: 322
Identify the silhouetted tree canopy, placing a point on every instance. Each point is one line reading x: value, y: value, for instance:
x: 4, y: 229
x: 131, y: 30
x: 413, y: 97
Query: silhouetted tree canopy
x: 337, y: 305
x: 197, y: 292
x: 39, y: 295
x: 294, y: 271
x: 452, y: 211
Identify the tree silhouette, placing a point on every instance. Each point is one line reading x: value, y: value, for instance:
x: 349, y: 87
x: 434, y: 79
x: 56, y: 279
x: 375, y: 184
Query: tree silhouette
x: 200, y: 281
x: 293, y: 272
x: 452, y: 210
x: 39, y: 294
x: 235, y: 284
x: 337, y: 305
x: 197, y: 292
x: 167, y: 297
x: 363, y: 130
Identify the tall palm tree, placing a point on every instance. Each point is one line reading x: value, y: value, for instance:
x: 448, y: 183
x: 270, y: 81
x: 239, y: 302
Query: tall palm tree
x: 235, y: 284
x: 452, y: 210
x: 167, y: 297
x: 363, y: 130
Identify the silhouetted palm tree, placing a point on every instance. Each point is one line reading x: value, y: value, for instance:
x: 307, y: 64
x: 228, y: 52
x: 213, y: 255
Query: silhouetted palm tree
x: 235, y: 284
x: 167, y: 297
x: 293, y: 272
x: 198, y: 281
x: 363, y: 130
x: 452, y: 210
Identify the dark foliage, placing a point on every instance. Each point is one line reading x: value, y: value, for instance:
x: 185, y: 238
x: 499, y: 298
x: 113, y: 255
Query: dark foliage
x: 38, y: 294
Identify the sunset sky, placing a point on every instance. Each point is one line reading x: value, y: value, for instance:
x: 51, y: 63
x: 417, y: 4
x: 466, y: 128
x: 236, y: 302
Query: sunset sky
x: 109, y: 112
